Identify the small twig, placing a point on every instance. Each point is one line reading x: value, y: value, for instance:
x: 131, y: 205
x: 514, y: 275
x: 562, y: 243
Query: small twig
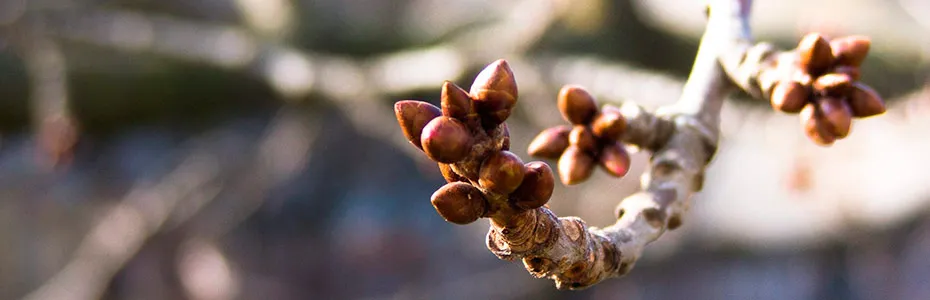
x: 469, y: 140
x: 582, y: 256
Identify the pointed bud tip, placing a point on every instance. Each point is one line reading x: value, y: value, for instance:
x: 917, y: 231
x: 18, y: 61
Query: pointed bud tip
x: 865, y: 102
x: 837, y: 115
x: 615, y: 160
x: 789, y: 97
x: 455, y: 101
x: 576, y: 104
x: 575, y: 166
x: 459, y: 203
x: 851, y: 50
x: 496, y: 76
x: 815, y: 127
x: 815, y: 53
x: 494, y: 92
x: 550, y: 142
x: 412, y: 116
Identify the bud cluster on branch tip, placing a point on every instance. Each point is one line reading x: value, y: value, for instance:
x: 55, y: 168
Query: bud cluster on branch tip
x: 824, y: 87
x: 592, y: 139
x: 467, y: 135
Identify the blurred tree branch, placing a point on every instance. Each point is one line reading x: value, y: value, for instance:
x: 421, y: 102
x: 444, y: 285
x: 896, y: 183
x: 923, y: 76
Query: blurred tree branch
x: 56, y: 128
x: 149, y: 209
x: 125, y: 228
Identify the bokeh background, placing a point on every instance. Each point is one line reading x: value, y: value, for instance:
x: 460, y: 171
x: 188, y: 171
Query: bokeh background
x: 247, y: 149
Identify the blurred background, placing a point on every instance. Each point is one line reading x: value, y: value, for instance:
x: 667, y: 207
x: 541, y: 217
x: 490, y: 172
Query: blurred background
x: 247, y: 149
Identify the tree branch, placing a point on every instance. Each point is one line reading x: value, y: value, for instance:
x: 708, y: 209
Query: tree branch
x: 471, y: 143
x: 818, y: 79
x: 577, y: 256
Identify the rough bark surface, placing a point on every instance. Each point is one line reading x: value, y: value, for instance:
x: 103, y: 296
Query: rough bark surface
x: 683, y: 139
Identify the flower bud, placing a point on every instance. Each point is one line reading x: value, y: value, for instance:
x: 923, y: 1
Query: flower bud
x: 816, y: 55
x: 833, y: 84
x: 550, y: 142
x: 576, y: 104
x: 815, y: 127
x: 413, y: 116
x: 614, y: 159
x: 582, y: 137
x: 459, y: 203
x: 837, y: 113
x: 495, y: 93
x: 501, y: 172
x: 536, y: 188
x: 609, y: 125
x: 446, y: 140
x: 575, y: 165
x: 865, y: 102
x: 851, y: 50
x: 789, y: 96
x: 449, y: 174
x: 455, y: 101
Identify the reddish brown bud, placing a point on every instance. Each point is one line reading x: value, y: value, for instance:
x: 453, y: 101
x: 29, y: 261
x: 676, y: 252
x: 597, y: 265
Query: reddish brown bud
x: 851, y: 50
x: 446, y: 140
x: 816, y: 55
x: 413, y: 116
x: 502, y: 172
x: 833, y: 84
x: 550, y: 142
x: 852, y: 72
x: 459, y: 203
x: 455, y: 101
x: 609, y: 124
x: 815, y: 127
x: 789, y: 96
x: 448, y: 174
x: 836, y: 113
x: 582, y: 137
x: 495, y: 93
x: 536, y: 188
x: 575, y: 165
x: 576, y: 104
x: 614, y: 159
x: 865, y: 102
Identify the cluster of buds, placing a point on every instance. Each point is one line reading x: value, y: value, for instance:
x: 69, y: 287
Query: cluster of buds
x: 592, y: 139
x: 822, y: 85
x: 469, y: 140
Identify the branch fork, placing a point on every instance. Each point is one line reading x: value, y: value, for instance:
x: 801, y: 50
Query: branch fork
x: 469, y: 139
